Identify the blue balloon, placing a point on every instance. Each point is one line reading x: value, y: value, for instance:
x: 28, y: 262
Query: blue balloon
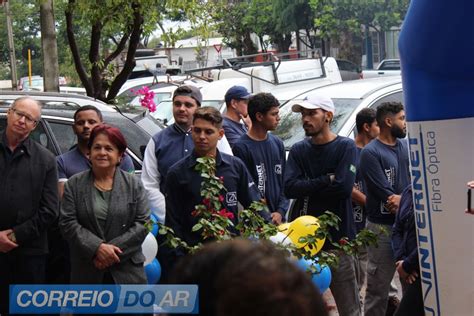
x: 153, y: 271
x: 321, y: 278
x: 154, y: 229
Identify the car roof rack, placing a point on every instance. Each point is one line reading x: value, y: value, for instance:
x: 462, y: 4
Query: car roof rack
x: 273, y: 60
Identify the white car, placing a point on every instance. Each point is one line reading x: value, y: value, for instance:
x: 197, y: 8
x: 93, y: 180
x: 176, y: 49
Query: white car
x: 349, y: 98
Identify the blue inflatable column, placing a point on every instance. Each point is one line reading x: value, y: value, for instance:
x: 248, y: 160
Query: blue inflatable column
x: 437, y: 55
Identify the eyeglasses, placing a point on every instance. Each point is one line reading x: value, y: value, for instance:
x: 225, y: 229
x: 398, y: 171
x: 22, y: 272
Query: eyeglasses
x: 20, y: 114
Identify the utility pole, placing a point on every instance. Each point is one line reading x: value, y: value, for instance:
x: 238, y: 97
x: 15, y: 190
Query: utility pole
x: 11, y: 45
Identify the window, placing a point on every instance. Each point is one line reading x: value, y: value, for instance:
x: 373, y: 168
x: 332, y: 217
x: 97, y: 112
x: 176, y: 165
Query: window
x: 64, y: 135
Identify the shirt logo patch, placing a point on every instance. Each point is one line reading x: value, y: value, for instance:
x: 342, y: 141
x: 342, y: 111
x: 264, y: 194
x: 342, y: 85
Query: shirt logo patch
x: 353, y: 168
x: 278, y: 169
x: 231, y: 198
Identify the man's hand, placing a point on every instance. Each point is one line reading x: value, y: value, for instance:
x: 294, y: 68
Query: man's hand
x: 276, y: 218
x: 99, y: 264
x: 393, y: 203
x: 108, y: 254
x: 247, y: 121
x: 408, y: 277
x: 5, y: 243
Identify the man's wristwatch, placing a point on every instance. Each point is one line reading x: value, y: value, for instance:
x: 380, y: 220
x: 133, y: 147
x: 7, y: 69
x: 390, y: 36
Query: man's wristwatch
x: 12, y: 237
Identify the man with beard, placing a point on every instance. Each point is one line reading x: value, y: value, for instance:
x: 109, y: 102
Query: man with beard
x: 320, y: 175
x: 384, y: 165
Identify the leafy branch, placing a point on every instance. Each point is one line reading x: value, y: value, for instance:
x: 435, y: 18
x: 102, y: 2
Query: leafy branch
x: 215, y: 222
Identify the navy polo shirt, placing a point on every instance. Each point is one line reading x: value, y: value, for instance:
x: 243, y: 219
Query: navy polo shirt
x: 183, y: 192
x: 74, y: 161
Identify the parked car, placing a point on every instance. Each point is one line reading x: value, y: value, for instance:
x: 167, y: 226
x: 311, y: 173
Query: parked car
x: 349, y: 98
x: 36, y: 83
x: 349, y: 70
x: 389, y: 64
x: 54, y: 129
x: 387, y: 67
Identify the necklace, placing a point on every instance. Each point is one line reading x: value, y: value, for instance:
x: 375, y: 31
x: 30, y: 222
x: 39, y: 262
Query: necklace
x: 101, y: 188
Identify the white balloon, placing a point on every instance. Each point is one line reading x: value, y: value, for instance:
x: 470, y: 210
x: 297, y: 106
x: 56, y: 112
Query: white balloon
x: 281, y: 238
x: 149, y: 248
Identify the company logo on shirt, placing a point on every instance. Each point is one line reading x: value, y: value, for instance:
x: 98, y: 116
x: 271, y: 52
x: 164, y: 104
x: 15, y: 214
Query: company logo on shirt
x: 278, y: 169
x: 231, y: 198
x: 261, y: 177
x: 358, y: 218
x: 390, y: 174
x: 353, y: 168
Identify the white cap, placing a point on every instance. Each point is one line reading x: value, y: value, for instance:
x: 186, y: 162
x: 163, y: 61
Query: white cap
x: 315, y: 101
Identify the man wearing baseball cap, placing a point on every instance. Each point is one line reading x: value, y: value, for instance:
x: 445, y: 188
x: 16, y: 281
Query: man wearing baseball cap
x: 236, y: 100
x: 319, y: 175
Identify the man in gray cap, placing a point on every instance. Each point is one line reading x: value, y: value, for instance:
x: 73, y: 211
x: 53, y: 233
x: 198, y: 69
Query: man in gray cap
x: 236, y: 100
x: 319, y: 175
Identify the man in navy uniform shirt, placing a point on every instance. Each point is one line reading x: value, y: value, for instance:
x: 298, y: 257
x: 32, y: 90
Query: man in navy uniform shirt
x: 183, y: 183
x: 76, y: 160
x: 320, y: 174
x: 236, y: 100
x: 367, y: 129
x: 169, y: 146
x: 264, y: 153
x: 384, y: 165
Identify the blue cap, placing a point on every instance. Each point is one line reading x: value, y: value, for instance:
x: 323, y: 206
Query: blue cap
x: 236, y: 93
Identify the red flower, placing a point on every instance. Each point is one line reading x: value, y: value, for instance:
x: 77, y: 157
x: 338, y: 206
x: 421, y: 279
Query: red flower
x: 221, y: 198
x: 194, y: 213
x: 221, y: 178
x: 224, y: 213
x: 206, y: 202
x: 221, y: 232
x: 343, y: 242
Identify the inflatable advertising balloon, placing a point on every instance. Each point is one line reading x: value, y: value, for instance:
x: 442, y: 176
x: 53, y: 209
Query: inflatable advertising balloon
x: 436, y: 52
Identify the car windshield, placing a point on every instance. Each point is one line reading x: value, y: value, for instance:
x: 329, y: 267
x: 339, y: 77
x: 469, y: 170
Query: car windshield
x: 35, y: 83
x: 290, y: 129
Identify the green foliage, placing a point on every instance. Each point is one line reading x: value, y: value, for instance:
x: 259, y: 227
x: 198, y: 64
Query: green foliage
x: 26, y: 31
x: 216, y: 223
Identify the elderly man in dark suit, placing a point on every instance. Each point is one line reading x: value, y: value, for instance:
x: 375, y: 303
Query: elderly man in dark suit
x: 28, y: 199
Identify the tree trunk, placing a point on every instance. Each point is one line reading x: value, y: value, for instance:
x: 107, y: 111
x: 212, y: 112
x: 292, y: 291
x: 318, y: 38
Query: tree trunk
x: 81, y: 71
x: 249, y: 47
x: 49, y: 47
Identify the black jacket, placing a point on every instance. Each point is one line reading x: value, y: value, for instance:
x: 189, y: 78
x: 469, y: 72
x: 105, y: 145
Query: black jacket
x: 28, y: 194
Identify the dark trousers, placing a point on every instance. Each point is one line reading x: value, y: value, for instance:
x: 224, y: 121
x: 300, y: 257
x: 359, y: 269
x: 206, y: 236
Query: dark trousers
x: 19, y: 269
x: 412, y: 301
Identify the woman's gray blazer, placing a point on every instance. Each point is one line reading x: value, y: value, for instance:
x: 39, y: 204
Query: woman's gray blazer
x: 124, y: 228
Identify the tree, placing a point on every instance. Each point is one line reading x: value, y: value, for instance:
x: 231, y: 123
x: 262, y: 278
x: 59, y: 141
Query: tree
x: 115, y: 26
x: 229, y: 17
x: 49, y: 46
x: 292, y: 16
x: 26, y: 31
